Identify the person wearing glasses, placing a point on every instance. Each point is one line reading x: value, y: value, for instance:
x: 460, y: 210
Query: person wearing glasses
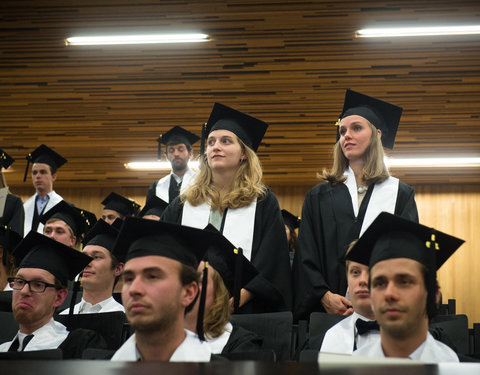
x: 39, y: 287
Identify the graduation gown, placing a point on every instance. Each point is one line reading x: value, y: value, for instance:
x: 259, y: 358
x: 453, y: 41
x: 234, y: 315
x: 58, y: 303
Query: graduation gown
x: 235, y: 339
x: 160, y: 188
x: 268, y: 253
x: 430, y: 351
x: 13, y: 214
x: 190, y: 350
x: 54, y: 335
x: 331, y: 220
x: 30, y: 208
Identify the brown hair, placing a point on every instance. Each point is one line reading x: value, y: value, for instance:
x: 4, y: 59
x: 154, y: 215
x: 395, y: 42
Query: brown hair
x: 218, y: 314
x: 374, y: 171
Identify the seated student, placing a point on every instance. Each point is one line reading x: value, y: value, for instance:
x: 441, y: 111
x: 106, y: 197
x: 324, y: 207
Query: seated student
x: 403, y: 258
x: 160, y: 282
x: 360, y: 328
x: 118, y: 207
x: 100, y: 275
x: 39, y: 287
x: 217, y: 330
x: 8, y: 240
x: 153, y: 209
x: 12, y: 213
x: 67, y: 224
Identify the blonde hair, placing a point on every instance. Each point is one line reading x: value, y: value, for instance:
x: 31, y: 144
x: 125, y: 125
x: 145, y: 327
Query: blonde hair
x: 218, y: 314
x: 247, y: 184
x: 374, y: 171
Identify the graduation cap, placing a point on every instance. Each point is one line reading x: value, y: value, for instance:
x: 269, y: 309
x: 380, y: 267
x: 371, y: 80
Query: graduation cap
x: 5, y: 160
x: 391, y: 236
x: 122, y: 205
x: 139, y: 237
x: 79, y: 220
x: 249, y: 129
x: 290, y: 220
x: 44, y: 154
x: 9, y: 239
x: 175, y: 136
x: 382, y: 115
x: 104, y: 235
x: 154, y: 206
x: 39, y: 251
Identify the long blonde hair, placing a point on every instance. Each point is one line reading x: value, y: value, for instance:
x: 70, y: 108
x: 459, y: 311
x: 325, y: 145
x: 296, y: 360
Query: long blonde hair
x: 218, y: 314
x: 374, y: 171
x: 247, y: 184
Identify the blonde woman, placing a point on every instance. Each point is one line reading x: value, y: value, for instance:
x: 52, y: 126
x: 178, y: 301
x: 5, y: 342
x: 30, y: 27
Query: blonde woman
x: 338, y: 211
x: 229, y: 194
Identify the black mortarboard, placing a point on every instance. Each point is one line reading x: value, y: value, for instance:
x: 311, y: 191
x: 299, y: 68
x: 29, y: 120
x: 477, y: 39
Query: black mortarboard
x: 382, y: 115
x: 103, y: 234
x: 5, y: 160
x: 153, y: 206
x: 9, y: 239
x: 249, y: 129
x: 290, y: 220
x: 44, y: 154
x: 176, y: 135
x: 80, y: 221
x: 39, y: 251
x: 124, y: 206
x: 140, y: 237
x: 391, y: 236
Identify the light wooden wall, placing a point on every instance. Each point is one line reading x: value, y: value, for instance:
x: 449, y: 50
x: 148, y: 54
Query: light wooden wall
x: 454, y: 209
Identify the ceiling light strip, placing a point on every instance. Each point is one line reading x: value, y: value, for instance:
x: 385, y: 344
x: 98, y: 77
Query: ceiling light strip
x: 418, y: 31
x: 136, y: 39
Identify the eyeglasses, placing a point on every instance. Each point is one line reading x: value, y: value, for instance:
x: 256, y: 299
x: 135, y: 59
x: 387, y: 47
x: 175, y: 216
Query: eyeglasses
x: 35, y: 286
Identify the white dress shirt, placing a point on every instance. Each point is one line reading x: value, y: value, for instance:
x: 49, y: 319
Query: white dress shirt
x: 84, y: 307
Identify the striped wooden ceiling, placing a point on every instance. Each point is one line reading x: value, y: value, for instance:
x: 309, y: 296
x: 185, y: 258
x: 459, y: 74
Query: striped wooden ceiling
x: 286, y: 62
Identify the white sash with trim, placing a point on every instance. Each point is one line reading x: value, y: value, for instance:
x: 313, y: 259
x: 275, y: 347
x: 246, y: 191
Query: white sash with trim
x: 30, y: 205
x: 384, y: 198
x: 238, y: 227
x: 164, y: 183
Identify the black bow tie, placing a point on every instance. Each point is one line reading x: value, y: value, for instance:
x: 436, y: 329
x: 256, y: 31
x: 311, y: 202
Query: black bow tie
x: 364, y: 327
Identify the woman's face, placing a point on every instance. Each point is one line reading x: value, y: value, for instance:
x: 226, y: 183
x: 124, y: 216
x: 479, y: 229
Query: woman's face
x: 355, y: 136
x: 224, y: 152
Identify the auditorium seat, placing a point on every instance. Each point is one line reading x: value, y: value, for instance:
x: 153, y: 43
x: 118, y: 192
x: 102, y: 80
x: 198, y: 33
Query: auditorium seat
x: 320, y: 323
x: 8, y: 326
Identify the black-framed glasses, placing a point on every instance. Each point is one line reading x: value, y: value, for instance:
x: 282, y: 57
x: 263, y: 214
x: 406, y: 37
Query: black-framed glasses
x: 35, y: 286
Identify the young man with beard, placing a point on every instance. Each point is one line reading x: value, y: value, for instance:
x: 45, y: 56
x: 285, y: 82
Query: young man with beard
x: 39, y: 287
x: 360, y: 328
x: 160, y: 282
x: 178, y: 142
x: 403, y: 258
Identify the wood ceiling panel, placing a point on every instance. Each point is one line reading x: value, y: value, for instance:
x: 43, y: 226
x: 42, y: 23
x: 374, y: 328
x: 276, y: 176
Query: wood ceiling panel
x: 287, y: 62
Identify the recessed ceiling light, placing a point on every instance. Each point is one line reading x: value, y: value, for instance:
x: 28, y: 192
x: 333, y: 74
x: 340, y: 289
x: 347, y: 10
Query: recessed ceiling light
x: 136, y: 39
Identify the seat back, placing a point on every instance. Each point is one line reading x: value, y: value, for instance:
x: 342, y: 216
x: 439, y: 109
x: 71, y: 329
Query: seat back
x: 109, y: 325
x: 48, y: 354
x: 6, y: 301
x: 8, y: 326
x: 455, y: 327
x: 320, y: 323
x: 275, y: 329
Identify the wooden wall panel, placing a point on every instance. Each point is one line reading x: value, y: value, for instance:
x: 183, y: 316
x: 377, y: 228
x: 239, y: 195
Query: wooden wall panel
x: 454, y: 209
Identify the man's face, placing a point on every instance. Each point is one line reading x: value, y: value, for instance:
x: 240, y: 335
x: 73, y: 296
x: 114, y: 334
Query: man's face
x: 42, y: 178
x: 152, y: 293
x: 178, y: 155
x: 60, y: 232
x: 399, y: 296
x: 99, y: 273
x: 36, y: 309
x: 110, y: 215
x: 357, y: 279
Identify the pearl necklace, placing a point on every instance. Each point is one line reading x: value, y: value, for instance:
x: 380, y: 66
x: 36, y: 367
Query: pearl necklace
x: 362, y: 189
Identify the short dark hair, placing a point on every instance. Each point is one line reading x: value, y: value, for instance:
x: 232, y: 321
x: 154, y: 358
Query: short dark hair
x: 178, y: 141
x: 189, y: 275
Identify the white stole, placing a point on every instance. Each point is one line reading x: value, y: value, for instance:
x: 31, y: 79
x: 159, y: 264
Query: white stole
x: 31, y: 205
x: 164, y: 183
x: 383, y: 198
x: 238, y: 227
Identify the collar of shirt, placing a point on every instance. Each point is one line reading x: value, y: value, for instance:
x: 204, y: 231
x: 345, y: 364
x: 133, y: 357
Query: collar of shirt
x: 177, y: 178
x: 87, y: 307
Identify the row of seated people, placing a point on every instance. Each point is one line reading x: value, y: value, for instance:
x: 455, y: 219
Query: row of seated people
x: 155, y: 256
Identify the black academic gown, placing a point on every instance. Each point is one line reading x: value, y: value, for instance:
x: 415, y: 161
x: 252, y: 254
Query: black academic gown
x: 328, y: 226
x: 80, y: 339
x: 13, y: 214
x: 242, y: 341
x: 272, y: 287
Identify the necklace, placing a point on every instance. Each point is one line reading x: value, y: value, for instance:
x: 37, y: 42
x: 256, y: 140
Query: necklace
x: 362, y: 189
